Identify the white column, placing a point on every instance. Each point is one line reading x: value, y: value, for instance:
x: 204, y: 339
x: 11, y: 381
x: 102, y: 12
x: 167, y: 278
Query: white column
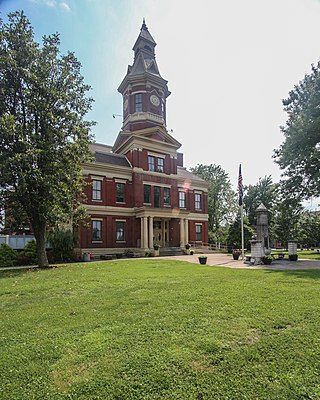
x: 141, y: 233
x: 145, y: 232
x: 150, y: 232
x: 182, y: 238
x: 163, y: 225
x: 186, y: 230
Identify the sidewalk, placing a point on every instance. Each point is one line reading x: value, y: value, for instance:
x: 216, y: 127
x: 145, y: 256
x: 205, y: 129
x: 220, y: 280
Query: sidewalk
x: 224, y: 260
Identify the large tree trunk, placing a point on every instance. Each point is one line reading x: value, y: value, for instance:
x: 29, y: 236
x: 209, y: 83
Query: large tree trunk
x: 39, y: 229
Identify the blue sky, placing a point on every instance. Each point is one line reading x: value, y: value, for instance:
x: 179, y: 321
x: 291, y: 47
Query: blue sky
x: 229, y: 64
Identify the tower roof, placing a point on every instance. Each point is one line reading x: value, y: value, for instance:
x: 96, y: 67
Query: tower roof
x: 145, y: 34
x: 144, y: 63
x: 144, y: 54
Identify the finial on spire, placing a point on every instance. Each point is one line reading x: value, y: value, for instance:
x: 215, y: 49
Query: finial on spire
x: 144, y: 26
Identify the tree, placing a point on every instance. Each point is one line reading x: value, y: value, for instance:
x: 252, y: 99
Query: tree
x: 234, y: 233
x: 263, y: 192
x: 309, y: 229
x: 299, y: 154
x: 287, y: 212
x: 44, y: 137
x: 222, y: 203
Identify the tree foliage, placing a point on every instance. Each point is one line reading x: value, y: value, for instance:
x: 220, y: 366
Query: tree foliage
x: 299, y: 154
x: 62, y: 243
x: 309, y: 229
x: 287, y: 212
x: 8, y: 256
x: 234, y: 233
x: 265, y: 191
x: 44, y: 137
x: 222, y: 203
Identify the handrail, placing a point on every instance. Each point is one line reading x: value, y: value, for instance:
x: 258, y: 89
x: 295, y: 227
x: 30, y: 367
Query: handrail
x: 208, y: 246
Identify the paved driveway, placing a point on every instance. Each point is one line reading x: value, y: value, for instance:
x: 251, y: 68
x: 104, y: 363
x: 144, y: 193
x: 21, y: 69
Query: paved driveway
x: 224, y: 260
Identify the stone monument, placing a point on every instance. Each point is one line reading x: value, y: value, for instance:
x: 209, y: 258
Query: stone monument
x: 260, y: 244
x: 262, y: 228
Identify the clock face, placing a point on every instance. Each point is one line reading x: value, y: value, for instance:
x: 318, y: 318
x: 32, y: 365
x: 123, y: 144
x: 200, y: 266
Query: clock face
x: 125, y: 105
x: 155, y: 100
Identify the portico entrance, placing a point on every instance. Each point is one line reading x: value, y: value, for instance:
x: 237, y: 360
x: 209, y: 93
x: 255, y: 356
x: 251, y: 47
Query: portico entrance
x: 161, y: 231
x: 157, y: 230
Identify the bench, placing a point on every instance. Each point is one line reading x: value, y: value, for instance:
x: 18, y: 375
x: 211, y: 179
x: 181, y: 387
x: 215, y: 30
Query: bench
x: 277, y: 256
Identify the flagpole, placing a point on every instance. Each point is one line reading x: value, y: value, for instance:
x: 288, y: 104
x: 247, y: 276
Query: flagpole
x: 240, y: 190
x: 242, y: 232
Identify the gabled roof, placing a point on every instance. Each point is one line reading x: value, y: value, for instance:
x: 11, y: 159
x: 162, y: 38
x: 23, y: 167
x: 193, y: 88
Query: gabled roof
x: 113, y: 159
x: 155, y: 134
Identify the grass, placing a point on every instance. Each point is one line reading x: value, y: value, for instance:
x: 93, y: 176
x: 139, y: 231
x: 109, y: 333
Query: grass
x: 309, y: 254
x: 303, y: 254
x: 155, y: 329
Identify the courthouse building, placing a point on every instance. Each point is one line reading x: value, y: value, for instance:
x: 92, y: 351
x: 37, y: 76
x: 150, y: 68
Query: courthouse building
x: 140, y: 193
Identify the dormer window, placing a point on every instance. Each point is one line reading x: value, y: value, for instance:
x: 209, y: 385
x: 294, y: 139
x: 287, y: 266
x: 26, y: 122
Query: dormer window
x: 155, y: 164
x: 138, y: 102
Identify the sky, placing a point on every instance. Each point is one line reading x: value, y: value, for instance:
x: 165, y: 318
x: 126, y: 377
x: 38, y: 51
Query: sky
x: 229, y: 64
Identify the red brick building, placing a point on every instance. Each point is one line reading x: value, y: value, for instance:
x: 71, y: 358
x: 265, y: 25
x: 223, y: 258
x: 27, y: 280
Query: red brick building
x: 141, y: 194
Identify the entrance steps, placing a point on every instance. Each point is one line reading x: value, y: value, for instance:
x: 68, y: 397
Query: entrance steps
x: 170, y: 251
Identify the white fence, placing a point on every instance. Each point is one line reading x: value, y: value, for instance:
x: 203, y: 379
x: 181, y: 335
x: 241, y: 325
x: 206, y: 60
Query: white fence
x: 17, y: 242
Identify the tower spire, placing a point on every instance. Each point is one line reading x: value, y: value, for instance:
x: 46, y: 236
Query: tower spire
x: 143, y: 89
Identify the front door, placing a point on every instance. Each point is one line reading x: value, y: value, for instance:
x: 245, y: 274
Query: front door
x: 161, y: 232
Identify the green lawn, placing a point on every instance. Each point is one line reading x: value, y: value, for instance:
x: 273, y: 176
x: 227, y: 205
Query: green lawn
x: 155, y: 329
x: 302, y: 254
x: 310, y: 254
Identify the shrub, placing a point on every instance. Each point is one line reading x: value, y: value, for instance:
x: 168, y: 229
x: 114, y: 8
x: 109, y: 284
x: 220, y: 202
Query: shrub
x: 29, y: 254
x: 8, y: 256
x: 62, y: 243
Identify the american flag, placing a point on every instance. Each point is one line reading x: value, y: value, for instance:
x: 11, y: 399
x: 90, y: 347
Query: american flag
x: 240, y: 186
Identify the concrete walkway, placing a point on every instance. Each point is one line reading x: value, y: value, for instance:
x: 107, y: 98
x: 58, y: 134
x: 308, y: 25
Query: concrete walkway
x: 224, y: 260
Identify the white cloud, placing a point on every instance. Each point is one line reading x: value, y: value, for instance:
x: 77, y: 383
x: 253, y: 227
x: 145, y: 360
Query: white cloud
x: 64, y: 6
x: 50, y: 3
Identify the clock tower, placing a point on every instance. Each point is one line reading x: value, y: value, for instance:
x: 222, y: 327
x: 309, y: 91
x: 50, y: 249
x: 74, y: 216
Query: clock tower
x: 143, y: 89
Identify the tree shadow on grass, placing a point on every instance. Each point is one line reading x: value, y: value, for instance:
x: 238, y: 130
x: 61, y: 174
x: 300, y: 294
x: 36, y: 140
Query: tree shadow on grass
x: 8, y: 272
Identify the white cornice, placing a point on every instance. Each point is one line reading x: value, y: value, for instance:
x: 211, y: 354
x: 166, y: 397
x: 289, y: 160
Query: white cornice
x: 144, y: 116
x: 141, y: 79
x: 148, y: 144
x: 144, y: 212
x: 170, y: 145
x: 110, y: 210
x: 165, y: 185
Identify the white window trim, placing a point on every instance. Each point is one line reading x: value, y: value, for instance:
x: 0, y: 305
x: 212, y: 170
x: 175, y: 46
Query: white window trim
x: 198, y: 208
x: 100, y: 179
x: 124, y: 221
x: 156, y: 155
x: 100, y: 220
x: 163, y: 185
x: 185, y: 199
